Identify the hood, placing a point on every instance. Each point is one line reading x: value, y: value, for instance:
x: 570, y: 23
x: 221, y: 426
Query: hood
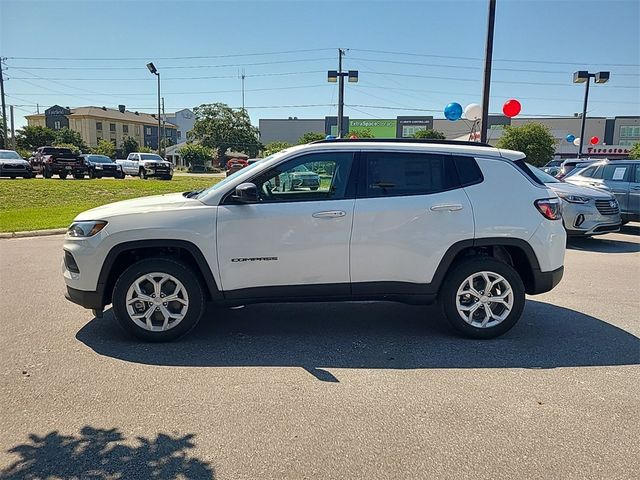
x: 169, y: 201
x: 159, y: 162
x: 571, y: 189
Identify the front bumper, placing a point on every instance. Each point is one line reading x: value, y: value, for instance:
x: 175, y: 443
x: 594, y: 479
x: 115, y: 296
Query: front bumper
x: 545, y: 281
x: 71, y: 169
x: 91, y: 300
x: 15, y: 171
x: 586, y: 220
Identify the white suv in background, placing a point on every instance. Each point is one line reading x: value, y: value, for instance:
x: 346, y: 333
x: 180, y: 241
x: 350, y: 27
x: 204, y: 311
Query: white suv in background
x: 413, y: 221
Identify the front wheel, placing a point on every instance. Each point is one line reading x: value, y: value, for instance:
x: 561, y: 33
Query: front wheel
x: 79, y: 176
x: 482, y: 297
x: 158, y: 299
x: 46, y: 173
x: 143, y: 174
x: 63, y: 175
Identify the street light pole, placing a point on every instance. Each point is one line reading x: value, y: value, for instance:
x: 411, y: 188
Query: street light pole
x: 583, y: 76
x: 584, y: 116
x: 152, y: 68
x: 340, y: 93
x: 334, y: 76
x: 487, y: 72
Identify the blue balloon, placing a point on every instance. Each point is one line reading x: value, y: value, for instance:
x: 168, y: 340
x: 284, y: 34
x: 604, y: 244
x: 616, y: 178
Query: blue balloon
x: 330, y: 137
x: 570, y: 138
x: 453, y: 111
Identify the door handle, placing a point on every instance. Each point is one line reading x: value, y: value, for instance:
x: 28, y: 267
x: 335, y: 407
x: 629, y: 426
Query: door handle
x: 451, y: 207
x: 329, y: 214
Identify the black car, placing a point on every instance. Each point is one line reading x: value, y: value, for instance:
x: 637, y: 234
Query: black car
x: 13, y: 165
x: 100, y: 166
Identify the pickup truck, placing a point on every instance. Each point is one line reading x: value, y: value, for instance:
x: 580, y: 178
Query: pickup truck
x: 49, y: 161
x: 146, y: 165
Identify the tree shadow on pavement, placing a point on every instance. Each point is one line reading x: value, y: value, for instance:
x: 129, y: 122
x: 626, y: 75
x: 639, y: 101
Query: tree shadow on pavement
x: 104, y: 454
x: 602, y: 245
x: 370, y: 335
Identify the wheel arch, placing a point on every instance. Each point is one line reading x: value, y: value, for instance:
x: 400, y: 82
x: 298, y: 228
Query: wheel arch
x: 124, y: 254
x: 513, y: 251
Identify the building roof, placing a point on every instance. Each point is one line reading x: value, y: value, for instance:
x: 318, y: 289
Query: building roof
x: 112, y: 114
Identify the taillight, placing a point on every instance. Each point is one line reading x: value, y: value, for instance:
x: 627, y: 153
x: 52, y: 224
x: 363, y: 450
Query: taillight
x: 550, y: 208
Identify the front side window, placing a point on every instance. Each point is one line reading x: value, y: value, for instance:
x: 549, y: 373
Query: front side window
x: 317, y: 176
x: 588, y: 172
x: 396, y: 173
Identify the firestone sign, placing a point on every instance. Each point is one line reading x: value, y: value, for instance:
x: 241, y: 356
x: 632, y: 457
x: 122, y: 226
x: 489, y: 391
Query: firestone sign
x: 608, y: 150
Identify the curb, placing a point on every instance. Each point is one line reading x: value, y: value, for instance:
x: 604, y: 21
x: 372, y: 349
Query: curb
x: 34, y: 233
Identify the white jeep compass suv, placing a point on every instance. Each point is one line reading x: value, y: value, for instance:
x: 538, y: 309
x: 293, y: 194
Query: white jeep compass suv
x: 413, y: 221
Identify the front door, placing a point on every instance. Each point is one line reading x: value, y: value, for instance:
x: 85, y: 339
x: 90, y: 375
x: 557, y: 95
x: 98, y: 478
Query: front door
x: 616, y: 178
x: 295, y: 240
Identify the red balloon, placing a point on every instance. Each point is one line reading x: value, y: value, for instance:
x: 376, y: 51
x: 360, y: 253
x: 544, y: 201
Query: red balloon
x: 594, y: 140
x: 511, y: 107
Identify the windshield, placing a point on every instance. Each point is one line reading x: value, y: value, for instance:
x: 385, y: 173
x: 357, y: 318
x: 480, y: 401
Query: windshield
x: 151, y: 156
x: 56, y: 151
x: 543, y: 177
x: 10, y: 155
x: 233, y: 176
x: 99, y: 159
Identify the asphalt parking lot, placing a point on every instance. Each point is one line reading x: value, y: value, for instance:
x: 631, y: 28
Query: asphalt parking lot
x: 360, y: 390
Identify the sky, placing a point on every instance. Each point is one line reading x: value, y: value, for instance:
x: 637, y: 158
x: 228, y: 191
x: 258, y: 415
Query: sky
x: 413, y: 57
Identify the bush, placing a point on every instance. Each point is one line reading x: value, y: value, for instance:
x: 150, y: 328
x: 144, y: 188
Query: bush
x: 311, y: 137
x: 430, y: 133
x: 635, y: 152
x: 533, y: 139
x: 105, y: 147
x: 275, y: 147
x: 196, y: 155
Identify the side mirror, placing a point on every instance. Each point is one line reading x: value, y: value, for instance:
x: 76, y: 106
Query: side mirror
x: 246, y: 193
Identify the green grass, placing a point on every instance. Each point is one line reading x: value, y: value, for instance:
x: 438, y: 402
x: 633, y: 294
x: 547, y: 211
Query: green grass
x: 38, y: 204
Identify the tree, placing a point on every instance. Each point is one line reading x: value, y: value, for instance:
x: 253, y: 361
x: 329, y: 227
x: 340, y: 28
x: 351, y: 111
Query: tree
x: 429, y: 133
x: 275, y: 147
x: 635, y: 152
x: 220, y: 127
x: 195, y: 154
x: 105, y: 147
x: 129, y: 145
x: 362, y: 133
x: 311, y: 137
x: 533, y: 139
x: 31, y: 137
x: 69, y: 137
x: 145, y: 149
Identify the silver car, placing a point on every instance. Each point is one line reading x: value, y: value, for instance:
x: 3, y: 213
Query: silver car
x: 585, y: 211
x: 619, y: 177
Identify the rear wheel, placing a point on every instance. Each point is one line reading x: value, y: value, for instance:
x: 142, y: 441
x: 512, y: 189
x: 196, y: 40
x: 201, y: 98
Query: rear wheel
x: 158, y: 299
x: 63, y: 175
x: 79, y: 176
x: 482, y: 297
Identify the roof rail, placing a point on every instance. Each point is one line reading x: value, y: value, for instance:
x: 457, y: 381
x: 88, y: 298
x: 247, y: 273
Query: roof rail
x: 405, y: 140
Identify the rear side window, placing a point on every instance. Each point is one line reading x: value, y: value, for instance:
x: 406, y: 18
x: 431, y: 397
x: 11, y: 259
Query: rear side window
x: 398, y: 173
x: 615, y: 172
x: 522, y: 166
x: 469, y: 172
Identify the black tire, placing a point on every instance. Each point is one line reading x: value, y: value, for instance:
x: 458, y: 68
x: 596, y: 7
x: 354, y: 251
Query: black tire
x: 12, y: 177
x: 92, y: 174
x: 63, y: 175
x: 167, y: 177
x: 79, y: 176
x: 46, y: 173
x: 98, y: 175
x: 458, y: 274
x: 143, y: 174
x: 172, y: 267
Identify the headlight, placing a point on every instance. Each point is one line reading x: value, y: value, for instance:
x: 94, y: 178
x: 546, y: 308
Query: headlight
x: 85, y: 229
x: 574, y: 198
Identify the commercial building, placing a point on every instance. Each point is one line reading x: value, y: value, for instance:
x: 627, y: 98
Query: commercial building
x: 615, y: 135
x: 98, y: 123
x: 183, y: 120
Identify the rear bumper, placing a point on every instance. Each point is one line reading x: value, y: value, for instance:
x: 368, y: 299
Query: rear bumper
x: 545, y: 281
x: 86, y: 299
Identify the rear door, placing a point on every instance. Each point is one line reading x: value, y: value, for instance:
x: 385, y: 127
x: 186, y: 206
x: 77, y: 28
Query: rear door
x: 410, y: 209
x: 617, y: 178
x: 634, y: 192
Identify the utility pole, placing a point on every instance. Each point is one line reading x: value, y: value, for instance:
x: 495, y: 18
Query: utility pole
x: 488, y: 54
x: 38, y: 108
x: 164, y: 126
x: 4, y: 105
x: 242, y: 77
x: 13, y: 129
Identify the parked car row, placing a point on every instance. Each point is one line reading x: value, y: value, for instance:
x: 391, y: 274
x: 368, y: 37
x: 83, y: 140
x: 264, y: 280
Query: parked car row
x: 49, y: 161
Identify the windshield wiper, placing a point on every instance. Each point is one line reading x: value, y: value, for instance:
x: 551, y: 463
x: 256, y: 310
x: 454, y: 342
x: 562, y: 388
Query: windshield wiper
x: 193, y: 193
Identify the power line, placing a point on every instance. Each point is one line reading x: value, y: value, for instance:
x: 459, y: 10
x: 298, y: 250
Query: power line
x: 231, y: 55
x: 550, y: 62
x: 146, y: 79
x: 173, y: 67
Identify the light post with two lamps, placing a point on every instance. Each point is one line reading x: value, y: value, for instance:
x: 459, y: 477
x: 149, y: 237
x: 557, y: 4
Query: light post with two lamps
x: 583, y: 76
